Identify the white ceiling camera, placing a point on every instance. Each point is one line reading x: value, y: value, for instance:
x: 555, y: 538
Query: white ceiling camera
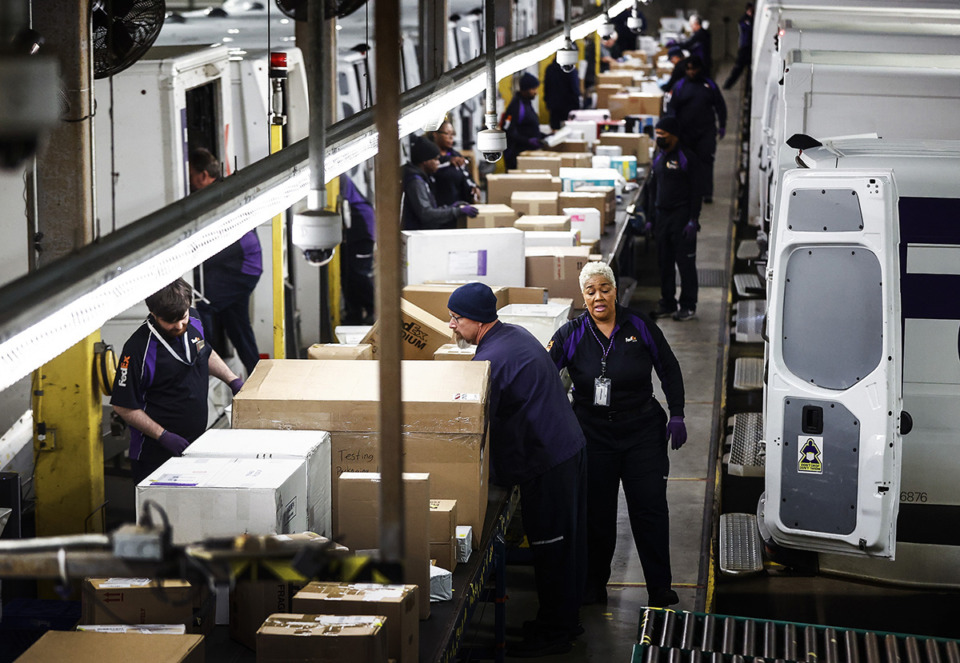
x: 635, y: 23
x: 491, y: 143
x: 568, y: 56
x: 607, y: 29
x: 316, y: 233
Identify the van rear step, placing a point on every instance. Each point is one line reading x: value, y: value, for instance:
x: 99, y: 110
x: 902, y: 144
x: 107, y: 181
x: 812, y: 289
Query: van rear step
x: 741, y: 551
x: 748, y: 452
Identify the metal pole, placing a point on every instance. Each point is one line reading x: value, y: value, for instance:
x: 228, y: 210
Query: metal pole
x: 319, y: 116
x: 387, y: 114
x: 490, y: 36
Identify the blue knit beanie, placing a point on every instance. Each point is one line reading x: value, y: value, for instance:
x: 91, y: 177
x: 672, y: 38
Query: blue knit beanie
x: 474, y: 301
x: 529, y: 82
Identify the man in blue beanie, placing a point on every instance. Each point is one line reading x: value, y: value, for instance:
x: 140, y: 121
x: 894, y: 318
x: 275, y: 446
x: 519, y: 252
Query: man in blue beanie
x: 536, y: 443
x: 521, y: 122
x: 418, y: 206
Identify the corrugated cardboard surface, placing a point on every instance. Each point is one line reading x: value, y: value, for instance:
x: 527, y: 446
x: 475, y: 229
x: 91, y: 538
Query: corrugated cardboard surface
x: 554, y: 222
x: 285, y: 638
x: 594, y: 199
x: 499, y: 187
x: 557, y: 269
x: 422, y: 333
x: 252, y: 601
x: 493, y: 216
x: 339, y: 351
x: 445, y: 407
x: 93, y: 647
x: 635, y: 144
x: 567, y: 159
x: 398, y: 603
x: 443, y: 533
x: 534, y: 202
x: 451, y: 352
x: 530, y: 162
x: 433, y: 297
x: 360, y: 522
x: 130, y: 601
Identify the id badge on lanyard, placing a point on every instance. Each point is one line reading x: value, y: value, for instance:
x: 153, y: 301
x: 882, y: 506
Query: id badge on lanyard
x: 186, y: 346
x: 602, y: 387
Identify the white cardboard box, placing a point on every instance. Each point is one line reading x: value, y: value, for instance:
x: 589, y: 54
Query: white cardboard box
x: 576, y: 177
x: 310, y: 446
x: 490, y: 255
x: 223, y: 497
x: 586, y: 220
x: 552, y: 237
x: 541, y: 320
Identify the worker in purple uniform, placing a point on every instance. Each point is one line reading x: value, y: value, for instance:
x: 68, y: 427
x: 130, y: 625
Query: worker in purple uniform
x: 699, y: 107
x: 699, y: 44
x: 452, y: 182
x: 535, y: 443
x: 679, y: 61
x: 561, y: 91
x: 521, y: 123
x: 672, y: 205
x: 610, y: 353
x: 161, y: 385
x: 356, y: 255
x: 744, y: 47
x: 229, y: 278
x: 418, y: 206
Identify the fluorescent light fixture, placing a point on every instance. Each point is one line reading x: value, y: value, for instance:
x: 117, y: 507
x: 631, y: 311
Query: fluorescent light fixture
x: 52, y: 334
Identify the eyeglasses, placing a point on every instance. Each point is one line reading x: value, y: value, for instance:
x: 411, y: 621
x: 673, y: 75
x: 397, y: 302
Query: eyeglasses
x: 456, y: 318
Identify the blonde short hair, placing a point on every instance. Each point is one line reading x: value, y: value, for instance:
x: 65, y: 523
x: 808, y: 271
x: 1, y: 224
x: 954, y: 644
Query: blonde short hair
x: 592, y: 269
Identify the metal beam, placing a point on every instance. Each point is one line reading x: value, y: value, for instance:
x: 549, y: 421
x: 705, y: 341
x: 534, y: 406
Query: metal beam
x: 433, y: 38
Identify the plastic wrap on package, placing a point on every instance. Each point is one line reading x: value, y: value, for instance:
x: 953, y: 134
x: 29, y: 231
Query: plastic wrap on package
x: 441, y: 584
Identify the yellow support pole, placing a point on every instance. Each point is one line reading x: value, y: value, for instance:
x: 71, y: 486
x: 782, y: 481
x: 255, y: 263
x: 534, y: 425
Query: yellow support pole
x: 68, y: 443
x: 333, y: 267
x: 279, y: 263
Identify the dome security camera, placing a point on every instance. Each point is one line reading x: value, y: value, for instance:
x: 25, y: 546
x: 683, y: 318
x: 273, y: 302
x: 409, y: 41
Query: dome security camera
x: 635, y: 24
x: 317, y: 233
x: 567, y: 57
x: 607, y: 29
x: 491, y: 143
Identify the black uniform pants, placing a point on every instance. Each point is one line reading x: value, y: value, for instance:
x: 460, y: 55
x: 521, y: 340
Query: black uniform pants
x: 705, y: 147
x: 633, y: 452
x: 554, y: 513
x: 743, y: 61
x: 230, y: 306
x: 675, y: 249
x: 356, y: 273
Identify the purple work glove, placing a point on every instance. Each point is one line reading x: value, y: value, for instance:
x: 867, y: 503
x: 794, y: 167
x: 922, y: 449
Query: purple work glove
x: 236, y: 385
x: 690, y: 230
x: 172, y: 442
x: 676, y: 432
x: 647, y: 228
x: 468, y: 210
x: 721, y: 132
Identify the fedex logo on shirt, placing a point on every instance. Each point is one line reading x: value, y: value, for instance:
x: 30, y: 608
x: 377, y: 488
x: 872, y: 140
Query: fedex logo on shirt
x: 124, y: 369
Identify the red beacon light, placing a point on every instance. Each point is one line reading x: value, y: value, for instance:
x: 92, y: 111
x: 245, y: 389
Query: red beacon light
x: 278, y: 65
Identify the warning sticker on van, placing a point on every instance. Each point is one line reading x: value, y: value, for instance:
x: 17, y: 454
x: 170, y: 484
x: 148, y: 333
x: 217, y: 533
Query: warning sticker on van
x: 810, y: 461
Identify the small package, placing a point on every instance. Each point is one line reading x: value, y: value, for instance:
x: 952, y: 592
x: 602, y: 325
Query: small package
x: 441, y: 584
x: 464, y: 543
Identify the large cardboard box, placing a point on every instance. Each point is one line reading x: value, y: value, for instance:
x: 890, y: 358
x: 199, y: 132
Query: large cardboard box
x: 501, y: 186
x: 444, y: 419
x: 528, y: 295
x: 225, y: 497
x: 597, y: 200
x: 605, y: 91
x: 422, y: 333
x: 527, y: 161
x: 557, y: 269
x: 144, y: 601
x: 493, y: 216
x: 490, y: 255
x: 567, y: 159
x: 621, y: 78
x: 360, y: 522
x: 579, y: 146
x: 533, y: 222
x: 433, y: 297
x: 287, y: 637
x: 634, y: 103
x: 442, y: 533
x: 311, y: 447
x: 625, y: 164
x: 586, y: 221
x: 94, y: 647
x: 552, y: 237
x: 340, y: 351
x: 609, y: 193
x: 398, y: 603
x: 576, y: 178
x: 451, y: 352
x: 634, y: 144
x: 534, y: 202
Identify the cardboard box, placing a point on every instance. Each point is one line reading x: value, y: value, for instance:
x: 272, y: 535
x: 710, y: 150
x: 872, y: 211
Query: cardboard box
x: 541, y: 320
x: 252, y: 601
x: 445, y: 419
x: 351, y: 334
x: 175, y: 629
x: 638, y: 145
x: 542, y: 222
x: 398, y: 603
x: 528, y: 295
x: 143, y: 601
x: 622, y: 78
x: 586, y: 221
x: 490, y: 255
x: 442, y: 533
x: 586, y: 128
x: 93, y: 647
x: 501, y: 186
x: 286, y: 637
x: 534, y: 202
x: 567, y: 159
x: 557, y: 269
x: 464, y: 543
x: 360, y: 522
x: 551, y: 237
x: 527, y: 161
x: 422, y: 333
x: 340, y: 351
x: 493, y: 216
x: 311, y: 447
x: 451, y: 352
x: 598, y: 200
x: 629, y: 64
x: 575, y: 179
x: 609, y: 199
x: 225, y: 497
x: 634, y: 103
x: 626, y: 165
x: 605, y: 91
x: 580, y: 146
x: 433, y: 297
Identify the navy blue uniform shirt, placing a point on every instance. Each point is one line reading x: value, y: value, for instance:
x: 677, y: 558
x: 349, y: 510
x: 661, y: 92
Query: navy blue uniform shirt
x: 532, y: 426
x: 698, y: 106
x: 676, y: 180
x: 637, y: 348
x: 171, y: 390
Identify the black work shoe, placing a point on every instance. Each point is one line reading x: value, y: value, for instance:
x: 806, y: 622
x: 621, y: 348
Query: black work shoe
x: 662, y: 312
x: 685, y: 314
x: 662, y: 597
x: 536, y: 646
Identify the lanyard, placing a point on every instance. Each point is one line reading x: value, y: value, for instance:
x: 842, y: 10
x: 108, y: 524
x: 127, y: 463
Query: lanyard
x: 163, y: 342
x: 606, y: 351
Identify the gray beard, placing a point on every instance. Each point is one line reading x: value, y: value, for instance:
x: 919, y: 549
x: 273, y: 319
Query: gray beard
x: 462, y: 343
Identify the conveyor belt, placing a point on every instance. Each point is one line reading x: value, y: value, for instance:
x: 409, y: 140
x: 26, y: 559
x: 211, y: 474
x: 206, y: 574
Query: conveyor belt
x: 666, y: 636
